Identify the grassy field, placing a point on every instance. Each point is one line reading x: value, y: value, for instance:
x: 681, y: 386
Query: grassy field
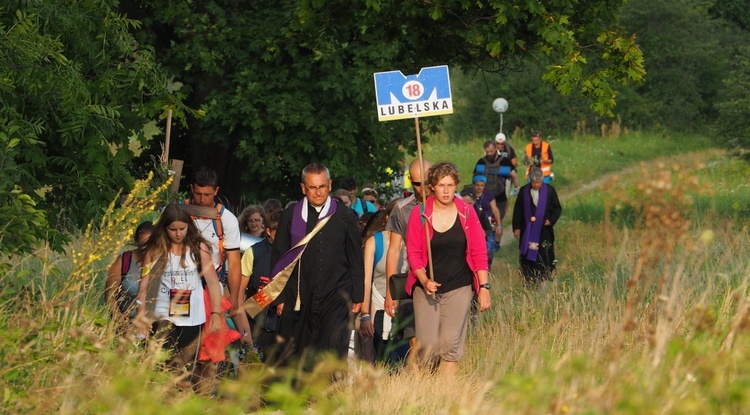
x: 577, y: 161
x: 648, y: 314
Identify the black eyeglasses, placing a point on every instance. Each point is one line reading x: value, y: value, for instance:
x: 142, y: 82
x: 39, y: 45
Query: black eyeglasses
x: 418, y: 184
x: 316, y: 188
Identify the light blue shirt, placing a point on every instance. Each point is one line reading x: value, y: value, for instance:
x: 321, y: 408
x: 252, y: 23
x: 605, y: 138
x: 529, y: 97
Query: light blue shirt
x: 357, y: 206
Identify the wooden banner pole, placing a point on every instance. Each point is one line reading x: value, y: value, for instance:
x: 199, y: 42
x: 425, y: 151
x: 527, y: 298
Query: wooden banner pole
x: 424, y: 195
x: 165, y: 153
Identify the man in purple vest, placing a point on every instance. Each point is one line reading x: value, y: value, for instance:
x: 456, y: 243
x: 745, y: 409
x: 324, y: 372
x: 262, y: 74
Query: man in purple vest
x: 327, y: 283
x: 535, y: 213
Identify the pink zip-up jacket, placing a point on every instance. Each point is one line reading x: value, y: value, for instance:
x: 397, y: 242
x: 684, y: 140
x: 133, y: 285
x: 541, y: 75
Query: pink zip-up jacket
x: 416, y: 241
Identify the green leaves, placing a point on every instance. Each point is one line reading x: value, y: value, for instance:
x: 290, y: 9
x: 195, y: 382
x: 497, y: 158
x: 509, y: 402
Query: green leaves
x: 74, y: 87
x: 286, y: 83
x: 24, y: 223
x: 734, y: 108
x: 688, y: 52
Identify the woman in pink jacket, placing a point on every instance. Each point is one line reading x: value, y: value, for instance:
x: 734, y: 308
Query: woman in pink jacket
x: 459, y: 261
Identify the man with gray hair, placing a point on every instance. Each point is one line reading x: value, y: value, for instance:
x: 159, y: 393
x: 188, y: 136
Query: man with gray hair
x: 327, y: 281
x: 535, y: 213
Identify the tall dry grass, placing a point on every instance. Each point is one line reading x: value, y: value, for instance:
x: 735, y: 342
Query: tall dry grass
x: 58, y: 342
x: 642, y: 319
x: 646, y: 318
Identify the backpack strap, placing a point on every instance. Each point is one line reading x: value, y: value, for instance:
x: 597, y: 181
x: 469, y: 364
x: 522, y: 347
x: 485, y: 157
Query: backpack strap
x: 125, y: 266
x: 421, y: 212
x: 378, y: 247
x: 218, y: 229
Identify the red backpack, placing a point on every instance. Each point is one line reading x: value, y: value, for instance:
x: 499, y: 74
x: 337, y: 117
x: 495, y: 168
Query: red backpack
x: 125, y: 266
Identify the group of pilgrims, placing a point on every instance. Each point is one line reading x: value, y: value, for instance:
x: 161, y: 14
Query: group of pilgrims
x: 337, y: 273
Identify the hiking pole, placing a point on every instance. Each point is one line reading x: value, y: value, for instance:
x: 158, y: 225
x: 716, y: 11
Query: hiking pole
x: 424, y: 199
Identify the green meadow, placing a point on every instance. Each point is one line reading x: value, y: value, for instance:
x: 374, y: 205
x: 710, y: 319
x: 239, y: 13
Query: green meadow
x: 648, y: 313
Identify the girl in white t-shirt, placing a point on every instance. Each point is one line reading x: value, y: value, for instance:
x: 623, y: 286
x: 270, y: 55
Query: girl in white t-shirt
x: 171, y: 290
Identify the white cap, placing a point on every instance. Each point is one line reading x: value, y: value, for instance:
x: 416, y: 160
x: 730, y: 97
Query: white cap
x: 500, y: 138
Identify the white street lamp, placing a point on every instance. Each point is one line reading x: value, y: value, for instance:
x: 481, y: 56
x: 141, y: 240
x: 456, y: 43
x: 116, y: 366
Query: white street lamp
x: 500, y: 105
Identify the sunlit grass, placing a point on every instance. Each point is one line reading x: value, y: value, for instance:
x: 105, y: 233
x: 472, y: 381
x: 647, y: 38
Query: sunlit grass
x: 640, y: 319
x: 577, y: 160
x: 725, y: 192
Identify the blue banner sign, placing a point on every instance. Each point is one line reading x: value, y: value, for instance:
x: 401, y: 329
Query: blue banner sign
x: 423, y: 95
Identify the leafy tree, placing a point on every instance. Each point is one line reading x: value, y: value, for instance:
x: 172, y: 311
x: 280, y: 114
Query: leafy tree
x: 687, y: 55
x: 533, y: 105
x: 75, y: 87
x: 734, y: 11
x: 689, y: 47
x: 733, y: 125
x: 23, y: 224
x: 287, y: 82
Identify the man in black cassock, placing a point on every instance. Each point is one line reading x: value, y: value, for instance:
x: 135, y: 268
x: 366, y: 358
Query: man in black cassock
x: 535, y: 213
x: 327, y: 284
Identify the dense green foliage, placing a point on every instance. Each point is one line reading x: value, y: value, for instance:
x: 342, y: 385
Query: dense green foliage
x: 75, y: 88
x: 733, y: 126
x: 533, y: 105
x: 287, y: 82
x: 25, y: 224
x: 690, y: 51
x: 734, y: 11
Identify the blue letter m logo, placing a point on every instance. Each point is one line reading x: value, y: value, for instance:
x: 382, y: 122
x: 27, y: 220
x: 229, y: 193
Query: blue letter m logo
x: 389, y: 86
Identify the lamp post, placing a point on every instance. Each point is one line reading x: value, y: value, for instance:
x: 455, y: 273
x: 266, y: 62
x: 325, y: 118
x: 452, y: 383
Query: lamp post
x: 500, y: 105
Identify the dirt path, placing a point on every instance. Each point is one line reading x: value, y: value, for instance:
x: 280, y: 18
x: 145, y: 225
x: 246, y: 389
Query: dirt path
x: 508, y: 238
x: 692, y: 159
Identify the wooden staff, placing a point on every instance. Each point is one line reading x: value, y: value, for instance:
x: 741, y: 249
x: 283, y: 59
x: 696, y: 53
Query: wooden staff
x: 200, y: 211
x: 165, y: 153
x: 424, y: 196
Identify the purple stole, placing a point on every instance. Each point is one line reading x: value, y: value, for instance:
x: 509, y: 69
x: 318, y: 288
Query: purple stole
x: 530, y: 242
x: 299, y: 226
x: 282, y: 270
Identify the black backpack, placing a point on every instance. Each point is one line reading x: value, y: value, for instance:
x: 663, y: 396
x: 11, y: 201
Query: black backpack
x: 491, y: 171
